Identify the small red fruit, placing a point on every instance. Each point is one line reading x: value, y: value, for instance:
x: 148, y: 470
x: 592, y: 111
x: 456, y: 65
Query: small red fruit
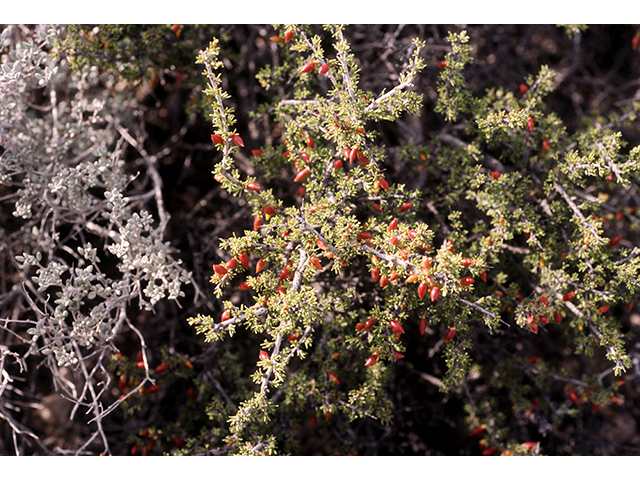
x: 557, y: 316
x: 524, y: 89
x: 338, y: 164
x: 545, y: 145
x: 302, y: 174
x: 435, y: 293
x: 544, y: 301
x: 396, y: 327
x: 253, y: 186
x: 324, y: 68
x: 487, y: 452
x: 466, y: 281
x: 308, y: 67
x: 451, y: 333
x: 140, y: 365
x: 122, y: 383
x: 371, y: 360
x: 257, y: 153
x: 442, y: 64
x: 263, y: 355
x: 288, y: 35
x: 478, y: 430
x: 483, y: 276
x: 604, y: 309
x: 423, y: 325
x: 383, y: 184
x: 370, y: 323
x: 237, y: 140
x: 257, y: 223
x: 244, y: 286
x: 496, y: 175
x: 260, y: 265
x: 466, y: 262
x: 614, y: 241
x: 375, y: 274
x: 231, y: 264
x: 177, y: 441
x: 573, y: 396
x: 364, y: 236
x: 398, y: 355
x: 384, y: 281
x: 405, y: 206
x: 422, y: 290
x: 135, y: 449
x: 220, y: 270
x: 393, y: 224
x: 333, y: 377
x: 153, y: 389
x: 269, y: 210
x: 543, y: 319
x: 215, y: 138
x: 530, y: 124
x: 163, y: 367
x: 244, y: 260
x: 567, y: 297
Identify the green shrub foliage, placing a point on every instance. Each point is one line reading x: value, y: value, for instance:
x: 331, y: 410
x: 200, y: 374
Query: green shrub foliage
x: 496, y: 243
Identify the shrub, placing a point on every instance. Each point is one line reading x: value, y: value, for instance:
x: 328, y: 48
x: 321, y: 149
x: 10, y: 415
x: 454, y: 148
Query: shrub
x: 491, y: 257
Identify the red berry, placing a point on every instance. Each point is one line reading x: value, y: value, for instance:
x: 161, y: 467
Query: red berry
x: 545, y: 145
x: 333, y: 377
x: 442, y: 64
x: 153, y: 389
x: 215, y: 138
x: 483, y: 276
x: 177, y: 441
x: 398, y: 355
x: 544, y: 301
x: 487, y: 452
x: 308, y: 67
x: 604, y: 309
x: 396, y: 327
x: 557, y: 316
x: 567, y: 297
x: 263, y: 355
x: 370, y: 323
x: 338, y: 164
x: 244, y: 286
x: 257, y: 223
x: 288, y: 35
x: 384, y: 281
x: 260, y: 265
x: 614, y: 241
x: 543, y: 319
x: 253, y: 186
x: 530, y: 124
x: 257, y: 153
x: 237, y: 140
x: 451, y: 333
x: 375, y: 274
x: 244, y: 260
x: 371, y: 360
x: 140, y: 365
x: 405, y: 206
x: 220, y: 270
x: 393, y: 224
x: 478, y: 430
x: 383, y: 184
x: 496, y: 175
x: 122, y: 383
x: 353, y: 154
x: 573, y: 396
x: 231, y: 264
x: 324, y: 68
x: 269, y: 210
x: 364, y: 236
x: 135, y: 449
x: 466, y: 261
x: 302, y: 174
x: 394, y: 240
x: 466, y: 281
x: 276, y: 38
x: 423, y: 325
x: 163, y: 367
x: 524, y: 89
x: 422, y: 290
x: 435, y: 293
x: 226, y: 315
